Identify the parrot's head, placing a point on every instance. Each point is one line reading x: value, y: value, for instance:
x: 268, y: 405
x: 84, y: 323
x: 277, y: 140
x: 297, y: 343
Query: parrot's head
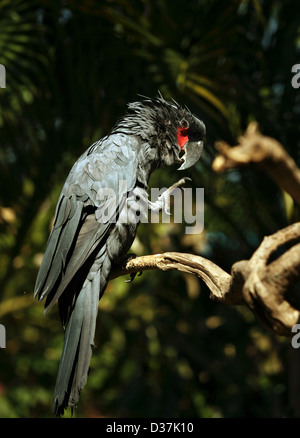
x: 190, y: 132
x: 170, y: 133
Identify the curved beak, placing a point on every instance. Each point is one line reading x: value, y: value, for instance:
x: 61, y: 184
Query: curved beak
x: 192, y: 153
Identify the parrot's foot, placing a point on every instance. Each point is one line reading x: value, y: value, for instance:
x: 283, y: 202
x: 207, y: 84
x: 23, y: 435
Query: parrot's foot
x: 127, y: 259
x: 163, y: 202
x: 132, y: 276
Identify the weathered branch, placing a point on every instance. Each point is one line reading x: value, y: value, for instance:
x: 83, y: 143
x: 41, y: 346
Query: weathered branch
x: 267, y: 283
x: 266, y: 154
x: 217, y: 280
x: 259, y: 283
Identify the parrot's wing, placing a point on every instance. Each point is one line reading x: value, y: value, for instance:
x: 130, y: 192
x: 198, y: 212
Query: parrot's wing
x: 99, y: 181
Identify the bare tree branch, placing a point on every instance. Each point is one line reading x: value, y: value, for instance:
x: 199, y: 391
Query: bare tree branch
x: 267, y: 283
x: 260, y: 284
x: 266, y: 154
x: 217, y: 280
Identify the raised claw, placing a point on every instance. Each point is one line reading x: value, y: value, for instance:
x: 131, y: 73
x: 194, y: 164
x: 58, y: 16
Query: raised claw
x: 164, y: 201
x: 179, y: 183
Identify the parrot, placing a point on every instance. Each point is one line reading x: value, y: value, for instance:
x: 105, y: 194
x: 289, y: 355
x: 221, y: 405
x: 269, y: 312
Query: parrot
x: 96, y: 220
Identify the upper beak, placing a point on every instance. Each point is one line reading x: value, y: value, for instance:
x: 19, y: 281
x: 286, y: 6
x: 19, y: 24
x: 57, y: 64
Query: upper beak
x: 192, y: 153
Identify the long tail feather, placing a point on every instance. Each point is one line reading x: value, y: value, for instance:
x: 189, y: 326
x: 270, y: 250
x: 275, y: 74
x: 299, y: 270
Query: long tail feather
x: 77, y: 350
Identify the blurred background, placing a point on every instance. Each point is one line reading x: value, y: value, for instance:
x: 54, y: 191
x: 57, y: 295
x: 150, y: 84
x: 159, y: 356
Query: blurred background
x: 164, y: 349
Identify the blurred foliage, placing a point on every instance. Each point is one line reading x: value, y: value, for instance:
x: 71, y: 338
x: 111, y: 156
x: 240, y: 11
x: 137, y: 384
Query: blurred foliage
x: 163, y: 348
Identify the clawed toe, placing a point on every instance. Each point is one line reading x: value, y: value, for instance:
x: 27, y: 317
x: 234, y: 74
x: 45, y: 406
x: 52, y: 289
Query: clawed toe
x: 132, y: 276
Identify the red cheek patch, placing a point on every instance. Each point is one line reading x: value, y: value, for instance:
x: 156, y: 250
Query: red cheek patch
x: 182, y: 136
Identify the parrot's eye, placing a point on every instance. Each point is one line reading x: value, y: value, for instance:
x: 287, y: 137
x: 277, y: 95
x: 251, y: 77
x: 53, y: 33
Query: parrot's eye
x: 184, y: 124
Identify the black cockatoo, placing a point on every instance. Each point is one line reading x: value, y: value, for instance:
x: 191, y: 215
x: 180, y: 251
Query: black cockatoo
x: 82, y: 247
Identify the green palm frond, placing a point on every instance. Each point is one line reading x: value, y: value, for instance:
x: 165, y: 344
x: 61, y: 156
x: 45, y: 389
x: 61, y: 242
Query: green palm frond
x: 20, y: 53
